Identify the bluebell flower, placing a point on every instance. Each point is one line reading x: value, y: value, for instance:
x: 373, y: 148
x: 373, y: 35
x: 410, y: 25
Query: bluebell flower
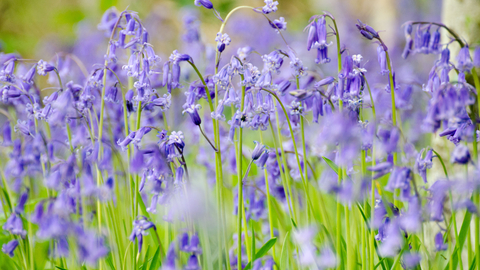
x: 408, y: 47
x: 312, y: 36
x: 425, y: 41
x: 30, y: 75
x: 251, y: 75
x: 270, y: 6
x: 140, y: 227
x: 222, y: 78
x: 111, y: 57
x: 439, y: 244
x: 421, y: 165
x: 218, y: 113
x: 411, y: 220
x: 460, y: 154
x: 205, y: 3
x: 391, y: 238
x: 139, y: 134
x: 244, y: 52
x: 296, y: 64
x: 222, y: 40
x: 322, y: 56
x: 327, y: 258
x: 111, y: 94
x: 272, y: 62
x: 466, y: 204
x: 438, y: 192
x: 400, y: 178
x: 10, y: 247
x: 434, y: 45
x: 381, y: 169
x: 169, y: 263
x: 192, y: 263
x: 279, y: 24
x: 123, y: 144
x: 464, y: 62
x: 90, y: 247
x: 7, y: 134
x: 109, y: 18
x: 476, y: 57
x: 265, y: 80
x: 43, y: 68
x: 176, y: 138
x: 411, y: 260
x: 321, y: 44
x: 367, y: 31
x: 262, y: 160
x: 162, y: 102
x: 23, y: 127
x: 137, y: 163
x: 177, y: 57
x: 258, y: 150
x: 389, y: 139
x: 194, y: 246
x: 14, y: 225
x: 6, y: 74
x: 20, y: 208
x: 382, y: 60
x: 192, y: 110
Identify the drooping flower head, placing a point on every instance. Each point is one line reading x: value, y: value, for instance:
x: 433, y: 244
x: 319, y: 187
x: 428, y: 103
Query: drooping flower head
x: 222, y: 41
x: 270, y: 6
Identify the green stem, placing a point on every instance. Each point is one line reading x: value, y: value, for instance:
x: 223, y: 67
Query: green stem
x: 218, y: 161
x: 339, y: 52
x: 392, y: 97
x: 477, y: 193
x: 230, y: 14
x: 270, y: 217
x: 288, y: 195
x: 240, y: 186
x: 309, y: 203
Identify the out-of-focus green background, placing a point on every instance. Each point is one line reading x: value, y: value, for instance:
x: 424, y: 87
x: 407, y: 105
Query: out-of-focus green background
x: 27, y: 26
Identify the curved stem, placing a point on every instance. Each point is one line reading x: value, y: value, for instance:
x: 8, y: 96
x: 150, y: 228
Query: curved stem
x: 207, y: 91
x: 446, y: 28
x: 392, y: 97
x: 230, y: 14
x: 309, y: 203
x: 339, y: 53
x: 59, y: 79
x: 206, y: 138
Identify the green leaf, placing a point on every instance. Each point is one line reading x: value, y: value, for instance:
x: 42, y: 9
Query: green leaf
x: 253, y: 238
x: 284, y: 254
x: 142, y: 206
x: 472, y: 266
x: 41, y: 252
x: 109, y: 261
x: 153, y: 264
x: 8, y: 199
x: 363, y: 214
x: 263, y: 250
x: 462, y: 236
x: 379, y: 263
x: 58, y: 267
x: 145, y: 259
x: 294, y: 224
x: 331, y: 164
